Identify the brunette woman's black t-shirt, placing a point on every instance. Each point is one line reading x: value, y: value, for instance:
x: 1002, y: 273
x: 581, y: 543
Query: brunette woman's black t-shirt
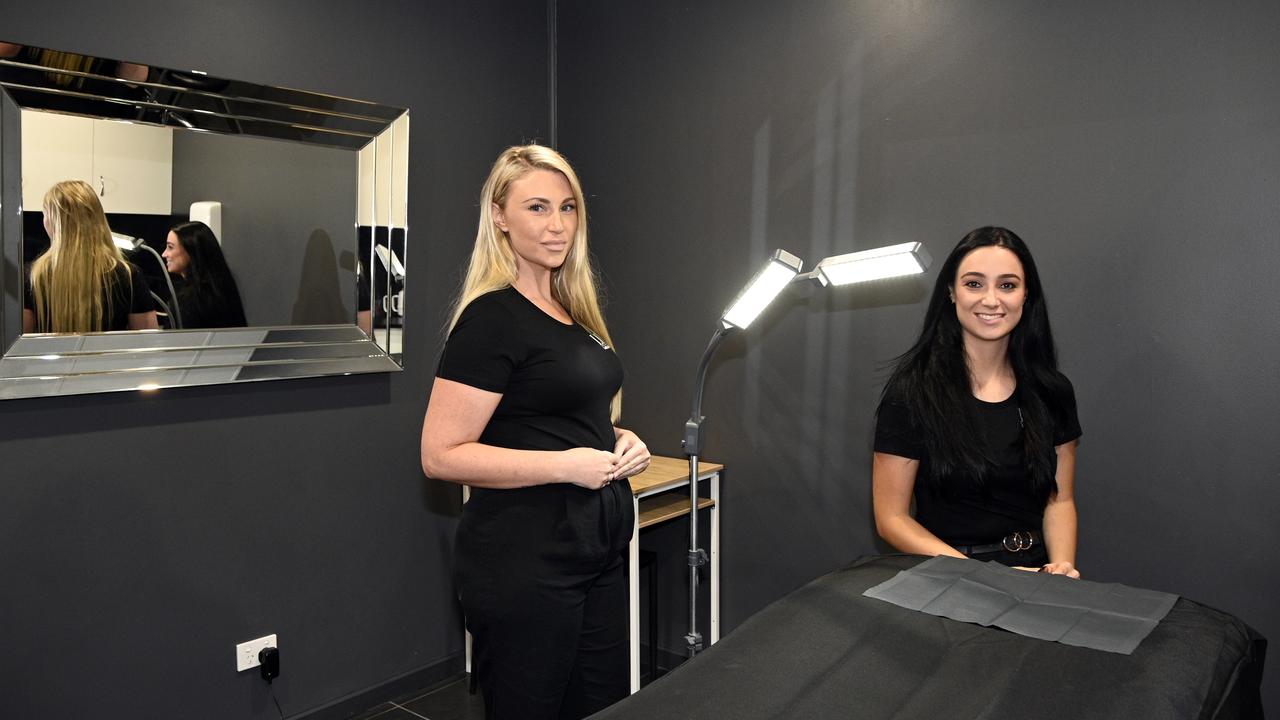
x: 964, y: 512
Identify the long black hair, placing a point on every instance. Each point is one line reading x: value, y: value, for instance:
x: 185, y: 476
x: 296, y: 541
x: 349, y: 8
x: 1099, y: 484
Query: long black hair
x: 209, y: 296
x: 932, y: 378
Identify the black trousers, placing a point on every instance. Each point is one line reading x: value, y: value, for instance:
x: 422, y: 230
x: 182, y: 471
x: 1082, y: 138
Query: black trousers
x: 540, y: 573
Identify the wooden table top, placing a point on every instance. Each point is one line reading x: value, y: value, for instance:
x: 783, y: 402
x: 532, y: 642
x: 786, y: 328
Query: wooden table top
x: 665, y: 470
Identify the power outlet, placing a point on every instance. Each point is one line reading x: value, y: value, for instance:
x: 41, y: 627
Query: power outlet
x: 247, y: 652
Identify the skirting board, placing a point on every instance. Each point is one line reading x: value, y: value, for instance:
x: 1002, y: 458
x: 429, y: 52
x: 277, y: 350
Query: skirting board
x: 392, y: 689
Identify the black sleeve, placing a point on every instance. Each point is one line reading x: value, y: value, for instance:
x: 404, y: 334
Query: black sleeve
x: 482, y: 350
x: 1067, y: 426
x: 895, y: 433
x: 141, y: 301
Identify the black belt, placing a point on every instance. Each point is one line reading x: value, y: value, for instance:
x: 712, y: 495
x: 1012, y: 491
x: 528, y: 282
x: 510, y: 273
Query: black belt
x: 1014, y: 543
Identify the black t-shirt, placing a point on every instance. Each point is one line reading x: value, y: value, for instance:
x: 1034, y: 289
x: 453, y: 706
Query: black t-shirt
x: 129, y: 295
x: 200, y: 310
x: 966, y: 513
x: 556, y: 380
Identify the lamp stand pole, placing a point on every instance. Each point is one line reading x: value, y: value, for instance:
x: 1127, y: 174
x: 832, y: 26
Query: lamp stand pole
x: 176, y: 314
x: 691, y: 444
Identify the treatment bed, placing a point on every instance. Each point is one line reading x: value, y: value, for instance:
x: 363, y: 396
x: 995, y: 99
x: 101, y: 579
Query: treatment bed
x: 826, y: 651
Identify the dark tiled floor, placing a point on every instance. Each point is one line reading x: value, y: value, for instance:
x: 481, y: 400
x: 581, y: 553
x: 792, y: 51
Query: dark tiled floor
x: 447, y: 701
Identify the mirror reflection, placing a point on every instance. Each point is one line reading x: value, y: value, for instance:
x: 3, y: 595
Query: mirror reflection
x: 281, y: 214
x: 156, y: 199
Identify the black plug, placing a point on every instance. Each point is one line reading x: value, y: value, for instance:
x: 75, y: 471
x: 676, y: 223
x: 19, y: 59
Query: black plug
x: 269, y: 659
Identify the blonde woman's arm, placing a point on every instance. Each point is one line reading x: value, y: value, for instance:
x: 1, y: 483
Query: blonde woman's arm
x: 451, y: 449
x: 144, y: 321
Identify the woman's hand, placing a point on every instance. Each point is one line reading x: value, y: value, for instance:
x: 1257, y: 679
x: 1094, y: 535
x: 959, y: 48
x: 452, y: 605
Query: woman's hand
x: 588, y: 467
x: 1061, y: 568
x: 633, y: 454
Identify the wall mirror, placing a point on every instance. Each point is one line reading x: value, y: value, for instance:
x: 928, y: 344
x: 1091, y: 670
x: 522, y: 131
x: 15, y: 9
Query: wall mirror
x: 305, y: 195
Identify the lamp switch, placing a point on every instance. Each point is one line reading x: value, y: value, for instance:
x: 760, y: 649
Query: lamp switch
x: 247, y: 652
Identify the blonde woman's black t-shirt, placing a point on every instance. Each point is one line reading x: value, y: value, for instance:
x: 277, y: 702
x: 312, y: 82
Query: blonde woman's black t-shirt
x: 129, y: 295
x: 965, y: 513
x: 557, y: 381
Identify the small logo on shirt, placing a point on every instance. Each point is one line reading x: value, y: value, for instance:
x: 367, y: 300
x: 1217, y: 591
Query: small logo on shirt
x: 599, y: 342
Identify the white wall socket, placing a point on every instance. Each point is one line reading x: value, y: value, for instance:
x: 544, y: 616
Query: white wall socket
x: 247, y: 652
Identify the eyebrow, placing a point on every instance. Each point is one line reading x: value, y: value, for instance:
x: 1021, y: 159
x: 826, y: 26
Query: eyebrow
x: 546, y: 200
x: 975, y: 273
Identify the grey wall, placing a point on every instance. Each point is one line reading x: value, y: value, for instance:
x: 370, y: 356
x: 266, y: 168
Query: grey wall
x: 288, y: 218
x: 143, y: 536
x: 1133, y: 145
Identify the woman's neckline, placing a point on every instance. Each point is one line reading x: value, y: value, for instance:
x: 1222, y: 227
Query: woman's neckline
x: 1012, y: 395
x: 546, y: 314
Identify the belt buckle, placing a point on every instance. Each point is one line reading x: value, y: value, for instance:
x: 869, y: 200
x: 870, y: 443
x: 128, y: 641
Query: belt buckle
x: 1020, y: 541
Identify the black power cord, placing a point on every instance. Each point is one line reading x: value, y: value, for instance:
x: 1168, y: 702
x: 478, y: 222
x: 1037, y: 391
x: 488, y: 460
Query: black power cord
x: 269, y: 666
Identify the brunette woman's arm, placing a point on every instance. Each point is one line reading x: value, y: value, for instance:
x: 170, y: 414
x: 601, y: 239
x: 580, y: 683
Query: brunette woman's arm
x: 893, y: 478
x: 1060, y: 516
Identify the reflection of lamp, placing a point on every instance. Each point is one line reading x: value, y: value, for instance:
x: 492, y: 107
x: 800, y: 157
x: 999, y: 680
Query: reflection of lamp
x: 393, y: 302
x: 390, y: 261
x: 781, y: 270
x: 124, y: 242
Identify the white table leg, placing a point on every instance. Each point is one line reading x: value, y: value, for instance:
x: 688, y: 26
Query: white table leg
x: 633, y: 590
x: 715, y: 558
x: 466, y: 495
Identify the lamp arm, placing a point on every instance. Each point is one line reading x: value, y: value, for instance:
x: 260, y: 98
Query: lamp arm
x: 176, y: 313
x: 692, y: 428
x: 162, y: 304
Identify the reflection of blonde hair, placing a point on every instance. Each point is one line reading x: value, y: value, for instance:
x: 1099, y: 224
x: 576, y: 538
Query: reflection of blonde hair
x: 67, y: 61
x: 72, y: 283
x: 493, y: 262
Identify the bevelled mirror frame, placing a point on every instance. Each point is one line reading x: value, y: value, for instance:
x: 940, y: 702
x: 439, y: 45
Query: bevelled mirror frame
x: 35, y: 365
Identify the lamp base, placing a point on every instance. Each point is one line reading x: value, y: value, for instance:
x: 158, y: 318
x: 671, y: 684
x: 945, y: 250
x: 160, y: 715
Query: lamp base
x: 693, y: 643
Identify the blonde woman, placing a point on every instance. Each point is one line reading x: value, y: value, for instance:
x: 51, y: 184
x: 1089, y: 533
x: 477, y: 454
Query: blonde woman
x: 83, y: 283
x: 523, y: 410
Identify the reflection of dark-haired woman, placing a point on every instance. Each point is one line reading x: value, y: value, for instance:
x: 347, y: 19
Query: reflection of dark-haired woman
x: 977, y: 423
x: 207, y: 292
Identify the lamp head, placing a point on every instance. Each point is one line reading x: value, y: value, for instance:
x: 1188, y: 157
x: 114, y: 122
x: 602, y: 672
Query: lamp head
x: 124, y: 242
x: 886, y: 262
x: 776, y: 274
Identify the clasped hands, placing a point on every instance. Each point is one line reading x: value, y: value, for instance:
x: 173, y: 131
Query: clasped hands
x: 593, y: 469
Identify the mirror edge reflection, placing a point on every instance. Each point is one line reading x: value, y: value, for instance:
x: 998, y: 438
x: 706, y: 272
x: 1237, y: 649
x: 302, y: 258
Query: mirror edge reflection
x: 44, y: 365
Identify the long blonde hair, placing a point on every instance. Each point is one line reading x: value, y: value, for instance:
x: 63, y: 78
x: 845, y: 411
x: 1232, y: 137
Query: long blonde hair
x: 72, y: 283
x: 493, y: 262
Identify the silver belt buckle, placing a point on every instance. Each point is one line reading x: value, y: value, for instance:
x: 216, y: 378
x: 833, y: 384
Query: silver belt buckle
x: 1017, y: 542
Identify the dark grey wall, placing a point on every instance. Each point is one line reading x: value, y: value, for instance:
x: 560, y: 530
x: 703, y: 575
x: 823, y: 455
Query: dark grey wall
x: 143, y: 536
x: 288, y: 217
x: 1133, y: 145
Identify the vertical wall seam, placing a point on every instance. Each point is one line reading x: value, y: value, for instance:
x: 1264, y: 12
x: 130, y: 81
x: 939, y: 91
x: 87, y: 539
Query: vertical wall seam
x: 552, y: 91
